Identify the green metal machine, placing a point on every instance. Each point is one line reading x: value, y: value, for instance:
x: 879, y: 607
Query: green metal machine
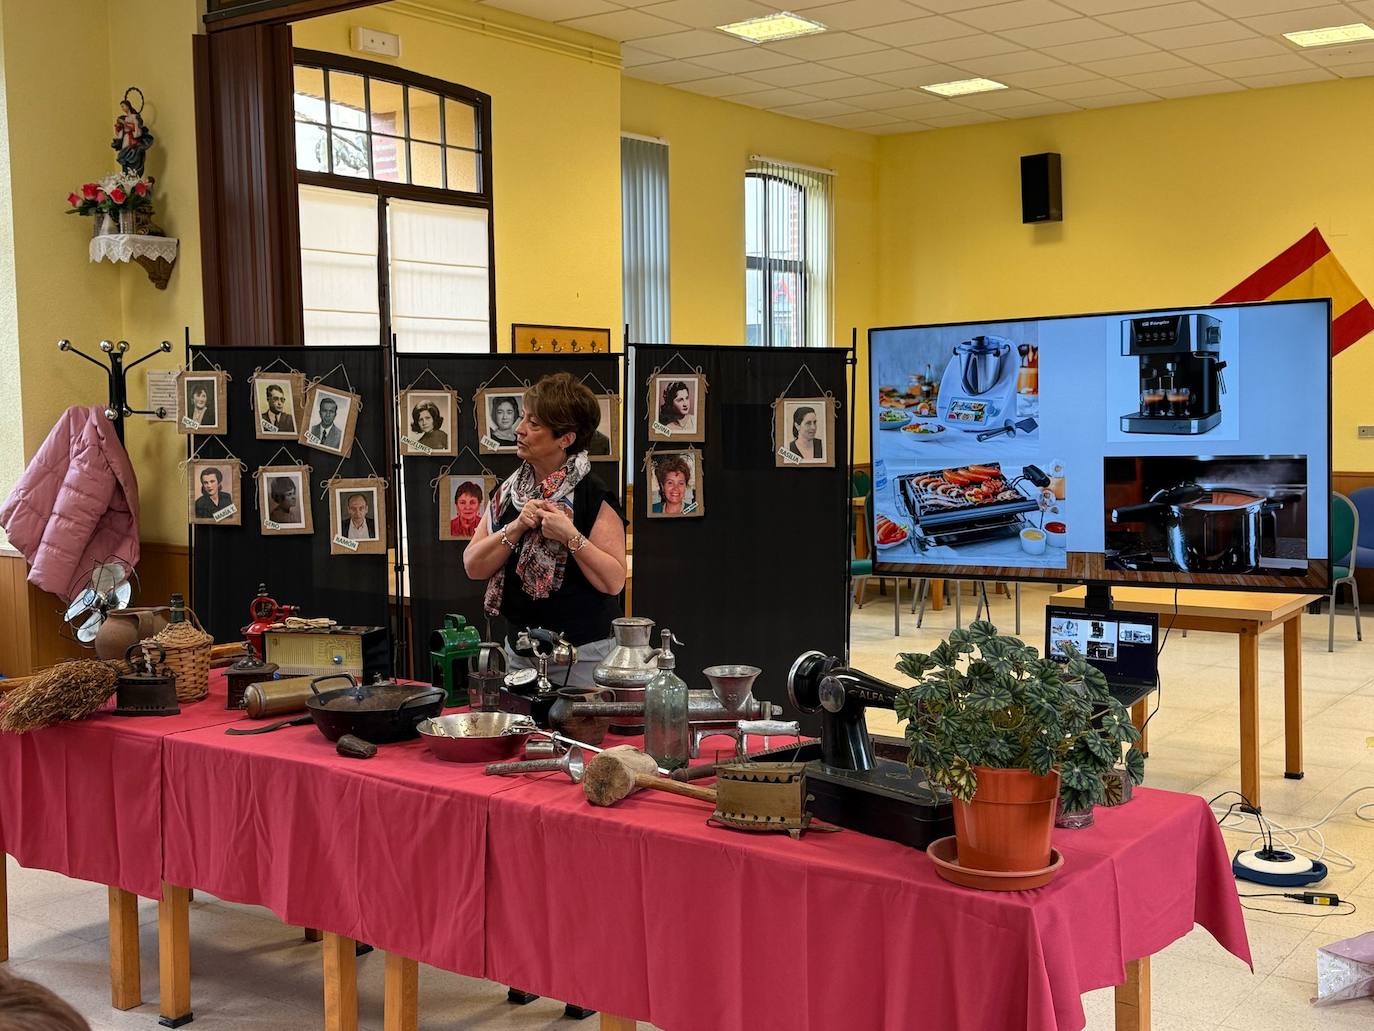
x: 450, y: 649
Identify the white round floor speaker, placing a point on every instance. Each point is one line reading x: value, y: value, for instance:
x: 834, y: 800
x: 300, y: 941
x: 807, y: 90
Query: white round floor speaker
x: 1275, y: 862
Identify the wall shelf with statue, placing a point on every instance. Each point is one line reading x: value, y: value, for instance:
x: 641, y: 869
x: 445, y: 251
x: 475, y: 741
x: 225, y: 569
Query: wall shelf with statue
x: 121, y: 205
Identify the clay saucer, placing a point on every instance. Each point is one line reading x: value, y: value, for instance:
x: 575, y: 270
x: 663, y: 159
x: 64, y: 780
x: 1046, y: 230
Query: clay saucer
x: 944, y: 853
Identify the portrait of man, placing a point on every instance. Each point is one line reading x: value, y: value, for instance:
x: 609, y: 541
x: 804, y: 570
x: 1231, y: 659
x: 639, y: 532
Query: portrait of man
x: 675, y: 402
x: 332, y: 417
x: 275, y: 402
x: 213, y: 488
x: 283, y: 501
x: 357, y: 523
x: 359, y: 517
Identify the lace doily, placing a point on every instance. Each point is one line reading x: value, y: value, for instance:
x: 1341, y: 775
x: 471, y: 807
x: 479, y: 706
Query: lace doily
x: 127, y: 247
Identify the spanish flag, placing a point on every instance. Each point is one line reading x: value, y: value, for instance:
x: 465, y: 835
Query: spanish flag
x: 1309, y: 269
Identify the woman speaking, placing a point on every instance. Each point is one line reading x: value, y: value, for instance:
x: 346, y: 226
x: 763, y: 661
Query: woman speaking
x: 552, y: 548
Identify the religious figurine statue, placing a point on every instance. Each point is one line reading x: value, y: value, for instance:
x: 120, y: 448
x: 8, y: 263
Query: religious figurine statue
x: 131, y: 138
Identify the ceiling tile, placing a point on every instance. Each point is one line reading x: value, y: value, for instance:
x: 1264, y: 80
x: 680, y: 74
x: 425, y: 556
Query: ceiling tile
x: 1048, y: 76
x: 554, y: 10
x: 1333, y: 56
x: 1184, y: 76
x: 1197, y: 35
x: 706, y: 14
x: 1015, y: 15
x: 797, y: 75
x: 861, y: 120
x: 754, y: 59
x: 816, y: 109
x: 1039, y: 110
x: 721, y: 85
x: 861, y: 14
x: 918, y: 31
x: 886, y: 100
x: 878, y: 61
x: 953, y: 51
x: 1096, y: 7
x: 1078, y: 30
x: 1197, y: 89
x: 1250, y: 8
x: 917, y: 77
x: 920, y: 112
x: 904, y: 127
x: 825, y: 45
x: 1170, y: 16
x: 998, y: 99
x: 962, y: 118
x: 1117, y: 66
x: 670, y: 73
x: 692, y: 43
x: 1239, y: 50
x: 622, y: 25
x: 1286, y: 78
x: 1292, y: 21
x: 1350, y: 71
x: 632, y: 56
x: 1117, y: 99
x: 1100, y: 49
x: 997, y: 66
x: 951, y: 6
x: 1262, y: 66
x: 1094, y: 87
x: 770, y: 98
x: 840, y: 89
x: 1365, y: 7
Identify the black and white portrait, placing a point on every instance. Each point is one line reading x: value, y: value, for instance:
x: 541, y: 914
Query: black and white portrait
x: 605, y: 443
x: 429, y: 422
x: 331, y: 416
x: 201, y: 402
x: 498, y: 412
x: 675, y: 407
x: 213, y: 489
x: 358, y: 514
x: 277, y: 402
x: 804, y: 430
x: 284, y: 500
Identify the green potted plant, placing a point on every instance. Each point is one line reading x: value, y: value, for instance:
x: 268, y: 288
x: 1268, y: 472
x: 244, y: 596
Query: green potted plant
x: 1007, y: 732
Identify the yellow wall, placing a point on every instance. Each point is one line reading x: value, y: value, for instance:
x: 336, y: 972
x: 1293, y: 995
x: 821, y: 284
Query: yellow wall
x: 1167, y: 203
x: 555, y: 150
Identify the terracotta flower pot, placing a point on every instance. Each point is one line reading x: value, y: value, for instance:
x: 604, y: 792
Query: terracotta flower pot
x: 1007, y: 826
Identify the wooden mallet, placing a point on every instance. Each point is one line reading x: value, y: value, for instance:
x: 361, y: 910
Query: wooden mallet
x: 621, y: 771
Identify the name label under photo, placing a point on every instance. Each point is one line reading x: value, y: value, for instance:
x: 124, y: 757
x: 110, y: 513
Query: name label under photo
x: 344, y: 542
x: 225, y: 513
x: 414, y: 444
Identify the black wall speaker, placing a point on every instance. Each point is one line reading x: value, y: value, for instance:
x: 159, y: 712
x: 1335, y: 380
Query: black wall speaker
x: 1042, y: 197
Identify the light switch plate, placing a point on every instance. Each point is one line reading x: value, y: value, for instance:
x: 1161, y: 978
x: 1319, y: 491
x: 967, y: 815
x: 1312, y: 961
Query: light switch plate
x: 374, y: 41
x: 1366, y: 432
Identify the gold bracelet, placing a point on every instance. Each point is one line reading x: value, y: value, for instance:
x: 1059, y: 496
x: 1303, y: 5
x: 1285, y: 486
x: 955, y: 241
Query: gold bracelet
x: 576, y: 543
x: 506, y: 540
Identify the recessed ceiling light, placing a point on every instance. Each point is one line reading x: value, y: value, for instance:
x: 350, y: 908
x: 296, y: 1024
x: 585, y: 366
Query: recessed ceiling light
x: 1332, y: 35
x: 962, y: 87
x: 772, y: 27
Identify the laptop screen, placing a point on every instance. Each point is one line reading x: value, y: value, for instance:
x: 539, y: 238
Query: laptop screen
x: 1123, y: 645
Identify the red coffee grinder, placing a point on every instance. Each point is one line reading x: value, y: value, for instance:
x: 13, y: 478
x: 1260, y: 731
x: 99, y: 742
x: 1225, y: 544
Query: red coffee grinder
x: 265, y: 612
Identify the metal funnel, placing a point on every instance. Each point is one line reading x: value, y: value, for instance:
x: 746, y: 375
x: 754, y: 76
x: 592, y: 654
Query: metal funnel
x: 733, y: 685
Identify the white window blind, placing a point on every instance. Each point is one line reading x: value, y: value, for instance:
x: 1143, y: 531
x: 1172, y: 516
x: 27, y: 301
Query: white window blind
x: 644, y: 235
x: 789, y: 254
x: 440, y: 279
x: 339, y: 267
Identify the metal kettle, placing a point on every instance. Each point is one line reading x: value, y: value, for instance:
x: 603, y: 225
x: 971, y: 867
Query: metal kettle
x: 980, y: 362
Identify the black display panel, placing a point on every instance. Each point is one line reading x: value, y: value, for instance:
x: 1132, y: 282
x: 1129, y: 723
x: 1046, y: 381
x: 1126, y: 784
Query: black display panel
x: 1123, y: 645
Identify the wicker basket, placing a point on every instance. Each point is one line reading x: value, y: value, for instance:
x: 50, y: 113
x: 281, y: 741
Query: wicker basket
x: 188, y: 656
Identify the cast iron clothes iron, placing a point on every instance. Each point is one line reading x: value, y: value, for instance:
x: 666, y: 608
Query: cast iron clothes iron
x: 152, y: 692
x: 763, y: 797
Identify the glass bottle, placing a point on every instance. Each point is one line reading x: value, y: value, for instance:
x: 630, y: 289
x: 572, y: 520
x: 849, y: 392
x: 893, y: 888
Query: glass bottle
x: 178, y: 614
x: 667, y: 734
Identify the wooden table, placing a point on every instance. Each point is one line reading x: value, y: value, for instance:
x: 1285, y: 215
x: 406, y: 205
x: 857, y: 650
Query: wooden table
x: 1246, y: 614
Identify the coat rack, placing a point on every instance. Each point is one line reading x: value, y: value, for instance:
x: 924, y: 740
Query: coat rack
x: 117, y: 372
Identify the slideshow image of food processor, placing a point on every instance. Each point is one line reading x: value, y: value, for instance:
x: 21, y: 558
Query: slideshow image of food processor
x: 1206, y: 515
x: 1180, y: 370
x: 971, y: 503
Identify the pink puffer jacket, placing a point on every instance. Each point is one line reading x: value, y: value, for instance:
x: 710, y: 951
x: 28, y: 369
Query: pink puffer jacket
x: 76, y: 504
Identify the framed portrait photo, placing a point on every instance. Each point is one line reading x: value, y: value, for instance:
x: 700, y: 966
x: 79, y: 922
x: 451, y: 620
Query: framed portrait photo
x: 213, y: 492
x: 331, y: 415
x: 284, y: 500
x: 605, y: 443
x: 676, y: 406
x: 278, y: 405
x: 804, y: 429
x: 675, y: 484
x: 497, y: 411
x: 202, y: 401
x: 428, y: 420
x: 462, y: 500
x: 357, y: 517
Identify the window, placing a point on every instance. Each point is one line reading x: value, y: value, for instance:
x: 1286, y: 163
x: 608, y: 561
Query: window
x: 644, y: 238
x: 787, y: 238
x: 393, y: 173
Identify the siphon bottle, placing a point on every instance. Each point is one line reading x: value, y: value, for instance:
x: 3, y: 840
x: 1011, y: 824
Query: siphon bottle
x: 667, y: 734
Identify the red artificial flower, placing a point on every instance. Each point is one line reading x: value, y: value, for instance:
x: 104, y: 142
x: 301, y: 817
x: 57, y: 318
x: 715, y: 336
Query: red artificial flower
x: 73, y: 200
x: 141, y: 188
x: 89, y: 191
x: 118, y: 195
x: 100, y: 196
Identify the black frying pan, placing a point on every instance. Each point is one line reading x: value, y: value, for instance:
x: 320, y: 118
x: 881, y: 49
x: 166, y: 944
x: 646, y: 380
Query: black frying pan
x: 380, y: 713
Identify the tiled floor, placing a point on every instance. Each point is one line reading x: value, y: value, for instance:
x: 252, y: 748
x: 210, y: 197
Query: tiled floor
x: 251, y: 973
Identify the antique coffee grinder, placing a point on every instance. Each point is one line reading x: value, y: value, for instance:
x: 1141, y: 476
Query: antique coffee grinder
x: 248, y: 670
x: 263, y: 612
x: 451, y: 648
x: 151, y: 691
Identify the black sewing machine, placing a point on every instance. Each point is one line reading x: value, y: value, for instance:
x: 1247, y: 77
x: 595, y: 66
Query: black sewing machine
x: 854, y: 785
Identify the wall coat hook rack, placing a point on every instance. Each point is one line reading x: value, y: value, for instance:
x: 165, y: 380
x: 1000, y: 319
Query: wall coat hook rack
x: 117, y: 373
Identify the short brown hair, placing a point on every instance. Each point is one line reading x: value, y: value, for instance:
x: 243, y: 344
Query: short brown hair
x: 28, y: 1006
x: 672, y: 464
x: 565, y: 404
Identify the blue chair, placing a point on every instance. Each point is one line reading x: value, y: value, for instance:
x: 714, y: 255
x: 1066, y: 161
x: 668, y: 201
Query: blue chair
x: 1363, y: 500
x: 1345, y: 556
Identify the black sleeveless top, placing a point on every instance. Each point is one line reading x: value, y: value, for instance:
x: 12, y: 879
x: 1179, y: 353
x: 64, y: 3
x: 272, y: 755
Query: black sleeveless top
x: 577, y: 610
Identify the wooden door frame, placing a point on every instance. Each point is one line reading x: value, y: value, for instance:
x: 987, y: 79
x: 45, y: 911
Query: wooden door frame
x: 235, y: 14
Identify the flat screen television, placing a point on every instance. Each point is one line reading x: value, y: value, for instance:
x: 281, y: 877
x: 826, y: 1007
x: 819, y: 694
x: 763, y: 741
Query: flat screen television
x: 1186, y: 447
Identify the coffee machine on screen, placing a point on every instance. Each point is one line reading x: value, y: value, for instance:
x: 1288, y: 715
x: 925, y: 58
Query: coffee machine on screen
x: 1180, y: 373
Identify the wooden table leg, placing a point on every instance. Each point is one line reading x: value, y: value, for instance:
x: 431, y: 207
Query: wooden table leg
x: 4, y: 907
x: 1140, y: 712
x: 314, y: 934
x: 1133, y: 997
x: 610, y: 1023
x: 937, y: 595
x: 174, y: 955
x: 126, y: 987
x: 1249, y: 714
x: 1292, y: 697
x: 340, y: 983
x: 401, y: 1009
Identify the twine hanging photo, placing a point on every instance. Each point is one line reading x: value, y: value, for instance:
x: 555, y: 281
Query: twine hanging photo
x: 357, y: 516
x: 676, y: 483
x: 497, y: 410
x: 202, y: 401
x: 212, y: 489
x: 278, y: 401
x: 428, y: 418
x: 804, y: 427
x: 331, y: 415
x: 675, y: 404
x: 283, y: 497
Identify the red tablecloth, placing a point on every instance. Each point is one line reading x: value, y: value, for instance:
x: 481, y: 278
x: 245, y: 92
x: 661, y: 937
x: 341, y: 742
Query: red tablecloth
x: 646, y: 912
x: 84, y: 798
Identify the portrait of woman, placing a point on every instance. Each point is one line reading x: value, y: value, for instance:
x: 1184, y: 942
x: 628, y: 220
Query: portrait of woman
x: 466, y: 495
x: 200, y: 407
x: 499, y: 413
x: 804, y: 428
x: 284, y: 500
x: 676, y: 482
x: 675, y: 407
x: 428, y: 421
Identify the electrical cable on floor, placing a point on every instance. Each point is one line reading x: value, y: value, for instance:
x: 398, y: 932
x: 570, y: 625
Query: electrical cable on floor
x: 1291, y: 838
x: 1159, y: 680
x: 1326, y: 900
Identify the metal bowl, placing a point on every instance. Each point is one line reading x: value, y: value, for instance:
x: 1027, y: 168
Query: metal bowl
x: 477, y: 737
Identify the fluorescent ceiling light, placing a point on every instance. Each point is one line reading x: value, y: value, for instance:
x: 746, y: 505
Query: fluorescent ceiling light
x: 963, y: 87
x: 1332, y: 35
x: 772, y: 27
